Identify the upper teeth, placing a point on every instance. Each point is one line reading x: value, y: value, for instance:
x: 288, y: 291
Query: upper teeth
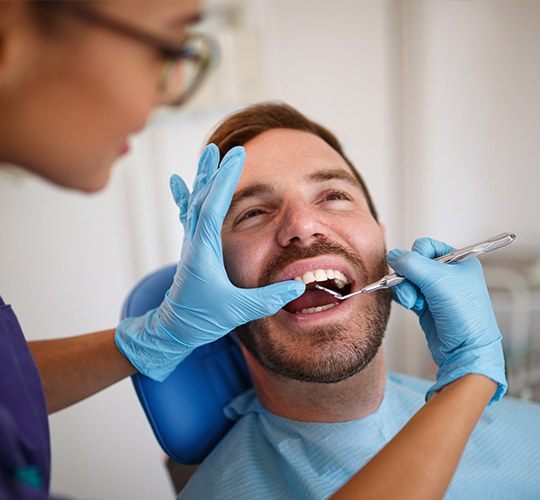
x: 323, y: 275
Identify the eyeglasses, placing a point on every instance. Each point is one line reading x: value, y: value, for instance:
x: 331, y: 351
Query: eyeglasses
x: 186, y: 64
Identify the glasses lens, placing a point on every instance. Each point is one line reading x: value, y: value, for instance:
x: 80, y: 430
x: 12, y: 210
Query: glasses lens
x: 185, y: 74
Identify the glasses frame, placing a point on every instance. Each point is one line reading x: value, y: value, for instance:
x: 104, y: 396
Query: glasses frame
x: 172, y: 53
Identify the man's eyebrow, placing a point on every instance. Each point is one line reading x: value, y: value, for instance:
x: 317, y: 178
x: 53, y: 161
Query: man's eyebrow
x: 328, y: 174
x: 251, y: 191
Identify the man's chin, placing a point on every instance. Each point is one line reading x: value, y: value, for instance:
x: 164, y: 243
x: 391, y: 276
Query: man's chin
x: 323, y: 365
x: 320, y: 354
x: 324, y: 347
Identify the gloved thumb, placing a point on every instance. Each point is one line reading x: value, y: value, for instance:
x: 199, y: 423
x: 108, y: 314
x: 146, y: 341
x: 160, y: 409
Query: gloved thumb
x: 271, y: 298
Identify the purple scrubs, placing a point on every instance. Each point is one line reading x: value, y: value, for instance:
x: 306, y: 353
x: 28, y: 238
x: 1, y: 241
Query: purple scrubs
x: 24, y: 429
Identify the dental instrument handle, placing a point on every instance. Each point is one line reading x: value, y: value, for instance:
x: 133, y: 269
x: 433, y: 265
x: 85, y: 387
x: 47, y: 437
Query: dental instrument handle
x: 390, y: 280
x: 493, y: 243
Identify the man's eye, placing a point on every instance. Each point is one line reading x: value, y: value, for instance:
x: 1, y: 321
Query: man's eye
x: 252, y: 212
x: 337, y: 195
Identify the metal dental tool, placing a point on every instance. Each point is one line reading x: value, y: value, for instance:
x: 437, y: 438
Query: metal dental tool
x: 499, y: 241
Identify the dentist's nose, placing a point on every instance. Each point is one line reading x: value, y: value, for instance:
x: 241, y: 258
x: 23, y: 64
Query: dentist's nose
x: 300, y: 226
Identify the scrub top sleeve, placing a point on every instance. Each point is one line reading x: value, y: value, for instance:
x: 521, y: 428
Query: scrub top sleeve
x: 24, y: 428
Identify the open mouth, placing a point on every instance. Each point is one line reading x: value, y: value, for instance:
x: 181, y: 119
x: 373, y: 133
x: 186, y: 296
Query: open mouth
x: 314, y: 300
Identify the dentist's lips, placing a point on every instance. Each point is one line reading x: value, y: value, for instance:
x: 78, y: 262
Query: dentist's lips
x: 124, y: 148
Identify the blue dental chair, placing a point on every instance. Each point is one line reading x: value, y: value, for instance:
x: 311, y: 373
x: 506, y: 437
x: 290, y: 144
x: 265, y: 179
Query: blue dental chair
x: 185, y: 410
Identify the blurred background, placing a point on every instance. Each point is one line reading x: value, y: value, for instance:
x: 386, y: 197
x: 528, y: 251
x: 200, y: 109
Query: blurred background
x: 437, y: 104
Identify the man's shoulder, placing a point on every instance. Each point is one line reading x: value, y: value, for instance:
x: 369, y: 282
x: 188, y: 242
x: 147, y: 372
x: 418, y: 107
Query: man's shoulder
x: 510, y: 420
x: 502, y: 456
x: 510, y: 412
x: 515, y: 416
x: 508, y: 405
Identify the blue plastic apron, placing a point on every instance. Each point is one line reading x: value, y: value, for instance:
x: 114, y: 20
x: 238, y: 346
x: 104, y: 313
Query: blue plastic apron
x: 24, y: 429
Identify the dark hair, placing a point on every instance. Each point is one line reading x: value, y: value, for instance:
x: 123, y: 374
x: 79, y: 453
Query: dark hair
x: 48, y: 14
x: 240, y: 127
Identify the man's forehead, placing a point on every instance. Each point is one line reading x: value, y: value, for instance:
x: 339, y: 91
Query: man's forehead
x: 309, y: 173
x: 288, y: 155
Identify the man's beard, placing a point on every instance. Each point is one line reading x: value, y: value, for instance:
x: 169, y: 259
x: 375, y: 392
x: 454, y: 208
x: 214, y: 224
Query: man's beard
x: 335, y: 352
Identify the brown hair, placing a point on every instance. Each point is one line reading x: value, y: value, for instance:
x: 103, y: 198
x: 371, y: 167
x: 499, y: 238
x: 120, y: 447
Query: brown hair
x: 49, y: 17
x: 244, y: 125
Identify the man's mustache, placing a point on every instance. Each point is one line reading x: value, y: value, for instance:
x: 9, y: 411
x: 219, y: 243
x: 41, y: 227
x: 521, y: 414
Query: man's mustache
x: 294, y: 253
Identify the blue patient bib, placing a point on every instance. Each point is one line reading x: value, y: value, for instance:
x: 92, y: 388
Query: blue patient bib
x: 270, y: 457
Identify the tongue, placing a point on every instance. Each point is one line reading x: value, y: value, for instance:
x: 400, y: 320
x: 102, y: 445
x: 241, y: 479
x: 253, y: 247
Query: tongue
x: 310, y: 298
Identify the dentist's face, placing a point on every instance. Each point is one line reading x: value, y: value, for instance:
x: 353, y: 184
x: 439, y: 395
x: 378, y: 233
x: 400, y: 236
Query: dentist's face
x: 72, y: 93
x: 298, y: 212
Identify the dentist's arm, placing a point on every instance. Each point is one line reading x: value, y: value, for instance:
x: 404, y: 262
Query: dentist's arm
x: 75, y: 368
x: 201, y: 306
x: 455, y: 313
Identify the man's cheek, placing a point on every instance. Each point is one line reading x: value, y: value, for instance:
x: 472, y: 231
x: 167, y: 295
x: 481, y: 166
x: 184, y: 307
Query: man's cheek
x: 229, y: 260
x: 242, y: 279
x: 240, y: 269
x: 234, y: 271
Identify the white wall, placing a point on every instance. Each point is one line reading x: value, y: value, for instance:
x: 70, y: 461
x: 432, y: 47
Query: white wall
x: 436, y: 102
x: 472, y: 74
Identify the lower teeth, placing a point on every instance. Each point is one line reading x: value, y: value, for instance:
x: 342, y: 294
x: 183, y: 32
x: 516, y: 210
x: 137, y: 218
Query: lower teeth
x: 313, y: 310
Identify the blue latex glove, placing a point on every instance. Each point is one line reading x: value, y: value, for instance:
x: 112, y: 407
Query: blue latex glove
x: 202, y: 304
x: 455, y: 312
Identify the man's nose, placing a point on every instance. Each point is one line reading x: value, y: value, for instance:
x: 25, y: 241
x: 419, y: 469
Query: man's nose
x: 300, y: 226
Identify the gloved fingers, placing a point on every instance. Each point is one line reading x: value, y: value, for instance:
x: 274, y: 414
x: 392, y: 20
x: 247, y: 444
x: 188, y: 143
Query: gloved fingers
x: 221, y: 191
x: 409, y: 296
x: 413, y: 266
x: 405, y: 294
x: 199, y: 198
x: 208, y: 164
x: 180, y: 194
x: 420, y: 304
x: 267, y: 300
x: 430, y: 248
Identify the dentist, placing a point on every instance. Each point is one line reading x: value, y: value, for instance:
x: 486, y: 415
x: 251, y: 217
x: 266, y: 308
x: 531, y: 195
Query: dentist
x: 76, y: 80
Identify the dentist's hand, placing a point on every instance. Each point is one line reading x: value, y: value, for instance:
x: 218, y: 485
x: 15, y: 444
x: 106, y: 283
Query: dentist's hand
x: 202, y: 304
x: 455, y: 312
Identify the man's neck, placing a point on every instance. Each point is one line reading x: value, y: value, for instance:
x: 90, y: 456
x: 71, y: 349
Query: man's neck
x: 350, y: 399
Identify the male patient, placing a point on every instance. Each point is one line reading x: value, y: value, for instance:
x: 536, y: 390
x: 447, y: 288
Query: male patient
x: 323, y: 403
